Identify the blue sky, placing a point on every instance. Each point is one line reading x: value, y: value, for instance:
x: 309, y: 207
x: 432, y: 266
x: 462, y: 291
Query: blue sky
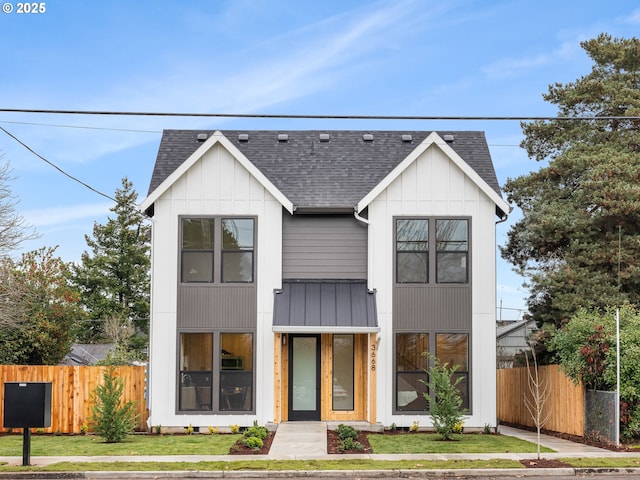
x: 335, y: 57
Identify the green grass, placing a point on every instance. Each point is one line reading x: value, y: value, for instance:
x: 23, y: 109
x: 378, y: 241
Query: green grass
x: 605, y: 462
x: 273, y: 465
x: 91, y: 445
x: 431, y: 443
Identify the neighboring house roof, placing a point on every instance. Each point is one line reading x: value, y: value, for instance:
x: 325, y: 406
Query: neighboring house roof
x: 505, y: 330
x: 324, y: 170
x: 87, y: 353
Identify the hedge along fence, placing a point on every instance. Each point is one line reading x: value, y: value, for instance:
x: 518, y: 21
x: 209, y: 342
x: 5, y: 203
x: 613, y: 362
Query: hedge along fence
x: 71, y: 392
x: 565, y: 402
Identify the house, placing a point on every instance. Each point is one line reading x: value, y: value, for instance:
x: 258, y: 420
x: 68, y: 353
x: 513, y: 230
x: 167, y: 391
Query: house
x: 512, y: 339
x: 87, y: 353
x: 300, y: 275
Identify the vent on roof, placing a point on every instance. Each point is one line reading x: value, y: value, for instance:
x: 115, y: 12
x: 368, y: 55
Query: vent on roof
x: 367, y: 137
x: 202, y: 137
x: 283, y: 137
x: 324, y: 137
x: 243, y: 137
x: 449, y: 138
x: 407, y: 138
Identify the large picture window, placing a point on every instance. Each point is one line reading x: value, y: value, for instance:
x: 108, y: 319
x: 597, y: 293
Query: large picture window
x: 412, y: 366
x: 411, y: 376
x: 453, y: 349
x: 216, y: 362
x: 217, y: 250
x: 196, y: 372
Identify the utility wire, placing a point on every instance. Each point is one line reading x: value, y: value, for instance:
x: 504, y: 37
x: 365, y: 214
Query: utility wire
x: 327, y: 117
x: 75, y: 179
x: 84, y: 127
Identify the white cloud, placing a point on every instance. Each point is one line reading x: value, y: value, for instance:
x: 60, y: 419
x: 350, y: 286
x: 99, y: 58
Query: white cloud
x: 47, y: 217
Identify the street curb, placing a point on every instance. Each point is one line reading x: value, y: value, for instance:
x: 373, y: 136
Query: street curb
x: 398, y: 473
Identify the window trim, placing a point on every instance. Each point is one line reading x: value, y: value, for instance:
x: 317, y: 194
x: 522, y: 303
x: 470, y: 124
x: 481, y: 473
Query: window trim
x: 218, y: 251
x: 432, y: 251
x: 432, y: 336
x: 215, y: 372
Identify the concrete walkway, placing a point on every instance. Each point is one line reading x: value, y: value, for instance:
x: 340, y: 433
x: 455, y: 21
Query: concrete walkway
x: 299, y: 441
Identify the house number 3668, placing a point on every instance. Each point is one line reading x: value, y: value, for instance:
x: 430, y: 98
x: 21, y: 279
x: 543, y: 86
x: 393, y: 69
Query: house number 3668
x: 373, y: 358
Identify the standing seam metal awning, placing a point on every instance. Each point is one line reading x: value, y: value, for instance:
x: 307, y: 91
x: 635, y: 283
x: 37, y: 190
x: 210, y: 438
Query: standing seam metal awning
x: 325, y: 307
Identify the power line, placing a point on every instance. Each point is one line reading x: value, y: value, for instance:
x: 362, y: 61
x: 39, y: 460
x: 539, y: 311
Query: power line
x: 316, y: 117
x: 83, y: 127
x: 75, y: 179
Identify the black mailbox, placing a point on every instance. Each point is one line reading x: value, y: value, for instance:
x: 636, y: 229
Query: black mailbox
x: 27, y: 404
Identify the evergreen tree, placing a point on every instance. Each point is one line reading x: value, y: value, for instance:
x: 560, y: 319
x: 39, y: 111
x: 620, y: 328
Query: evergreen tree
x: 578, y: 240
x: 114, y: 277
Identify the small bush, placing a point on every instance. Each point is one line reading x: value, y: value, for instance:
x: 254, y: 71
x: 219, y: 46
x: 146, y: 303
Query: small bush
x: 393, y: 427
x: 112, y: 418
x: 255, y: 443
x: 234, y: 428
x: 487, y: 428
x: 347, y: 431
x: 414, y: 426
x: 257, y: 432
x: 189, y: 429
x: 213, y: 430
x: 457, y: 428
x: 350, y: 444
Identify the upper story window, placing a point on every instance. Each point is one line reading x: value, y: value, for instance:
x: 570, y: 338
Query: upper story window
x: 417, y: 261
x: 217, y: 250
x: 237, y: 250
x: 197, y: 249
x: 412, y: 251
x: 452, y: 244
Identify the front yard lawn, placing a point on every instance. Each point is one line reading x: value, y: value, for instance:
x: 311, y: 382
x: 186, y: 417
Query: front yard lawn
x: 92, y: 445
x: 464, y: 443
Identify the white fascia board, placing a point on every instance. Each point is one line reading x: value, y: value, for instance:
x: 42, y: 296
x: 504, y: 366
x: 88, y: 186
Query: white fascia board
x: 432, y: 139
x: 217, y: 137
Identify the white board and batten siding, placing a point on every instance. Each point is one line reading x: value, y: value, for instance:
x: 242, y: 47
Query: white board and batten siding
x: 216, y: 184
x: 433, y: 185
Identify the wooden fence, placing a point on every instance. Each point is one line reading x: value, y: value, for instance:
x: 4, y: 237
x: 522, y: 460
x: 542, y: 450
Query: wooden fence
x: 71, y: 391
x: 565, y: 402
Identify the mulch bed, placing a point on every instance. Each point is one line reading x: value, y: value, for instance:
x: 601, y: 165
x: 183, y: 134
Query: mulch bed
x: 240, y: 448
x: 333, y: 443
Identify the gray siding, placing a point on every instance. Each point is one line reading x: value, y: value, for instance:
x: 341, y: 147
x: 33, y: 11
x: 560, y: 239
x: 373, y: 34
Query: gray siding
x: 220, y: 307
x: 323, y: 247
x: 434, y: 307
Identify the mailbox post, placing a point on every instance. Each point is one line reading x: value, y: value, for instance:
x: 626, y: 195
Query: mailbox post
x: 27, y: 405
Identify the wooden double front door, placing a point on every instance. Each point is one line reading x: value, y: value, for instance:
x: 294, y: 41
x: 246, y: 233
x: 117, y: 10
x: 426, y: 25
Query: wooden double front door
x: 318, y: 378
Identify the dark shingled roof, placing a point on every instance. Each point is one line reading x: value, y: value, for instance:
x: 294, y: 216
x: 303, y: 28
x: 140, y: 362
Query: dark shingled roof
x: 323, y: 174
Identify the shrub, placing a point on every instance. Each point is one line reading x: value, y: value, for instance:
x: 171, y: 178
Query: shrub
x: 257, y: 432
x: 213, y: 430
x: 393, y: 427
x: 234, y: 428
x: 253, y: 443
x: 414, y: 426
x: 189, y: 429
x: 347, y: 431
x: 350, y: 444
x: 113, y: 419
x: 445, y: 405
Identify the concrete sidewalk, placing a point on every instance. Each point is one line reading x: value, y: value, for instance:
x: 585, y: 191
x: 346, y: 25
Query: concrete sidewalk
x: 308, y: 441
